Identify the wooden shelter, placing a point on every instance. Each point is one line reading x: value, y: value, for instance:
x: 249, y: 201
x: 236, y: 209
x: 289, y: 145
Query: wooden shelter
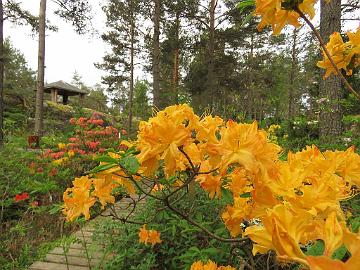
x: 65, y: 90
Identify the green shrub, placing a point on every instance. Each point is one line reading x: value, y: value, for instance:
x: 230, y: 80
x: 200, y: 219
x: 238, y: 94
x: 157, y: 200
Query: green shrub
x: 182, y: 243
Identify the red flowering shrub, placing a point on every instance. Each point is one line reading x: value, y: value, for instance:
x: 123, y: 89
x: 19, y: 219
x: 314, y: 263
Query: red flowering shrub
x: 21, y: 197
x: 92, y: 136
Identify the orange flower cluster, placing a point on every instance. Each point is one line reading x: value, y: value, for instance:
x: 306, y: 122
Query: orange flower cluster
x: 210, y: 265
x: 274, y: 13
x: 86, y: 191
x: 149, y: 236
x: 287, y: 203
x: 346, y: 55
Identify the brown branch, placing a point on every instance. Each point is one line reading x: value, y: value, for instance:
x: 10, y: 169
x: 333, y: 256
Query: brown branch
x: 322, y: 43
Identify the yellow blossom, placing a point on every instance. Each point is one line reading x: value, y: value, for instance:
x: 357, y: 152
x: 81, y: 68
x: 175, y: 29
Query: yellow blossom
x: 210, y: 265
x: 343, y: 54
x: 272, y: 13
x: 235, y: 214
x: 102, y: 191
x: 61, y: 146
x: 149, y: 236
x: 77, y: 200
x: 210, y: 182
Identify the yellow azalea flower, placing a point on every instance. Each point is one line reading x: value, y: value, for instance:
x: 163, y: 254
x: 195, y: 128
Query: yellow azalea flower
x: 193, y: 153
x: 126, y: 183
x: 351, y: 240
x: 197, y: 266
x: 114, y: 155
x: 262, y: 240
x: 143, y: 234
x: 341, y: 53
x: 326, y: 263
x: 347, y: 164
x: 80, y: 200
x: 149, y: 236
x: 71, y: 153
x: 239, y: 183
x: 208, y: 181
x: 333, y: 234
x: 262, y: 198
x: 60, y: 161
x: 285, y: 228
x: 162, y: 135
x: 207, y: 128
x: 289, y: 180
x: 61, y: 146
x: 234, y: 215
x: 78, y: 203
x: 127, y: 143
x: 83, y: 183
x: 272, y: 13
x: 154, y: 237
x: 102, y: 191
x: 157, y: 188
x: 210, y: 265
x: 246, y: 145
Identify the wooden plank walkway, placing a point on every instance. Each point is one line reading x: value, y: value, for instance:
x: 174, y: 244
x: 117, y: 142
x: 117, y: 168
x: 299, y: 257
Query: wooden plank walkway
x: 85, y: 253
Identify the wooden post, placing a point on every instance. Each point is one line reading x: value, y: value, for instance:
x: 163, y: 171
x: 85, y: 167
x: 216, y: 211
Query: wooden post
x: 81, y: 99
x: 54, y: 93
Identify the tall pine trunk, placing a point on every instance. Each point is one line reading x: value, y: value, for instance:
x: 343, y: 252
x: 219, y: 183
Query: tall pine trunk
x: 211, y: 81
x: 39, y: 106
x: 330, y: 124
x: 156, y: 55
x: 132, y: 49
x: 291, y: 111
x: 249, y: 100
x: 1, y: 73
x: 175, y: 81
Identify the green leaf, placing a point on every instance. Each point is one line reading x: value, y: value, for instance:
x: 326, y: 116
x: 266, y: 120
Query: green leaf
x: 56, y: 208
x: 247, y: 19
x: 340, y: 253
x: 316, y: 249
x: 355, y: 224
x: 102, y: 168
x: 244, y: 4
x: 130, y: 163
x: 246, y: 195
x: 106, y: 159
x: 226, y: 194
x: 131, y: 151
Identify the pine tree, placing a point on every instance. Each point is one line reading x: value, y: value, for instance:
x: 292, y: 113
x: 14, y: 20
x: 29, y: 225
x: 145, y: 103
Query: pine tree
x: 123, y: 37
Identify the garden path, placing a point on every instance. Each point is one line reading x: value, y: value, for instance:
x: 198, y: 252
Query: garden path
x: 85, y: 253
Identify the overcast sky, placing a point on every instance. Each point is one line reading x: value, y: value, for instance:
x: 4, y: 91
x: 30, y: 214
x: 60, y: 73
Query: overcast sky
x: 66, y: 51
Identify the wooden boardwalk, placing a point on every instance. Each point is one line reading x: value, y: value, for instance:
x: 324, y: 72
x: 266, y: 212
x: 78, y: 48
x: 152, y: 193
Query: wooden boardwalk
x: 85, y: 253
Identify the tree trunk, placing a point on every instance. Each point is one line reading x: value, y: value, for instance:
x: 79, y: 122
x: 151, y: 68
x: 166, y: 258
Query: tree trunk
x: 291, y: 112
x: 249, y: 102
x: 176, y: 59
x: 131, y: 94
x: 211, y: 82
x: 1, y: 74
x: 39, y: 109
x: 330, y: 124
x: 156, y: 55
